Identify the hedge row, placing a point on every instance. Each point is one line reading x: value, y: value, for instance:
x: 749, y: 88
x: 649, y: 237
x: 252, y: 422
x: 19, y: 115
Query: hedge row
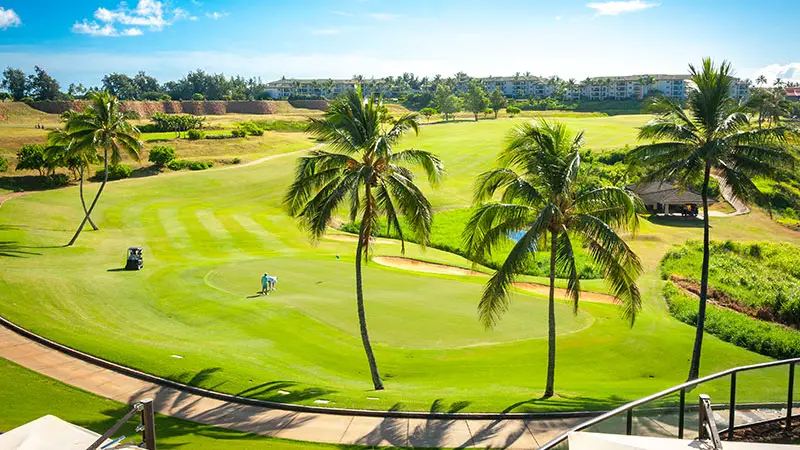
x: 762, y: 337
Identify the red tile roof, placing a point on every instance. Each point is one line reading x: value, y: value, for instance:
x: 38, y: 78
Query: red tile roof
x: 793, y: 92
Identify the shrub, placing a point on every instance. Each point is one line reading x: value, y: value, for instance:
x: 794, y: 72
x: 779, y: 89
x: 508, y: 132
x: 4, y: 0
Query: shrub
x: 5, y: 96
x: 26, y: 99
x: 178, y: 164
x: 513, y: 110
x: 251, y: 129
x: 198, y: 96
x: 161, y: 155
x: 4, y: 164
x: 115, y: 172
x: 176, y: 122
x: 56, y: 180
x: 236, y: 161
x: 762, y: 337
x: 196, y: 134
x: 31, y: 157
x: 239, y: 133
x: 200, y: 165
x: 220, y: 136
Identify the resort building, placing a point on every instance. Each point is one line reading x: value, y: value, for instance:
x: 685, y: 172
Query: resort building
x: 632, y: 87
x: 668, y: 198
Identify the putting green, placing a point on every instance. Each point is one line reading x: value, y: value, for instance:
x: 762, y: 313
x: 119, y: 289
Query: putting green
x: 436, y: 324
x: 208, y: 236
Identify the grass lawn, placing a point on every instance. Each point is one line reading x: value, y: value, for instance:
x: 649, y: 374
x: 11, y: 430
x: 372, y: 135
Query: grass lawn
x: 43, y: 395
x: 209, y: 235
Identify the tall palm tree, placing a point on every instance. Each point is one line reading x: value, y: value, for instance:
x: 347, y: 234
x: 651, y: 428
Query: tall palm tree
x: 364, y: 174
x: 539, y: 179
x: 101, y: 126
x: 59, y: 149
x: 761, y: 80
x: 713, y: 134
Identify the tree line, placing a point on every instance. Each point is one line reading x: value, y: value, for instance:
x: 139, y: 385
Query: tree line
x: 196, y: 85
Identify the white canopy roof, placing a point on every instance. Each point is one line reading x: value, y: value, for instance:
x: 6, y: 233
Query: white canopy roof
x: 600, y: 441
x: 47, y: 433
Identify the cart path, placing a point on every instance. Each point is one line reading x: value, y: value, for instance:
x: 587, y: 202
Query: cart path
x: 6, y: 197
x: 428, y: 432
x: 441, y: 269
x: 727, y: 194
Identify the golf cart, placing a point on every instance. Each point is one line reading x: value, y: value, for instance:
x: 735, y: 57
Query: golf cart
x: 135, y: 261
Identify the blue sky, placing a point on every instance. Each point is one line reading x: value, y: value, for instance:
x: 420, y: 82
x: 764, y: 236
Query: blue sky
x: 82, y: 40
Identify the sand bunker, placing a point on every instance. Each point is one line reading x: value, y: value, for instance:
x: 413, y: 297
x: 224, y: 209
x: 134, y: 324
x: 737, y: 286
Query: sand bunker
x: 441, y: 269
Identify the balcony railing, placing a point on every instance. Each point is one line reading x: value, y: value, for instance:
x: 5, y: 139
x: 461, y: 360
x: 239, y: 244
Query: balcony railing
x: 660, y: 404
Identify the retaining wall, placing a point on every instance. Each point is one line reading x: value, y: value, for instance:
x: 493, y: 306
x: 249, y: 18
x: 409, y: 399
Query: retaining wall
x: 146, y: 109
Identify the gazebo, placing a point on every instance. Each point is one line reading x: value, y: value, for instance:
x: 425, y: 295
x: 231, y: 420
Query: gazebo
x: 664, y: 197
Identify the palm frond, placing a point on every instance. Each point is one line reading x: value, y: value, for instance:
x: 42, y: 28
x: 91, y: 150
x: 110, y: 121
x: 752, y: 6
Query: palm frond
x: 565, y: 264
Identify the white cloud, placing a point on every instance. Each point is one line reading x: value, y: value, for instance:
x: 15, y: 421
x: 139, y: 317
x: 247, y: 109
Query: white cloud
x: 383, y: 16
x: 94, y: 29
x: 616, y: 8
x: 216, y: 15
x: 8, y: 18
x: 326, y: 31
x: 772, y: 72
x: 131, y: 32
x: 147, y: 13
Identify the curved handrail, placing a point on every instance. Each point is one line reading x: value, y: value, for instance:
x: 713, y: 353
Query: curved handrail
x: 689, y: 384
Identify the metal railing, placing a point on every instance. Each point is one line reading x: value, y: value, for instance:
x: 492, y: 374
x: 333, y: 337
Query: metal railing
x: 628, y: 408
x: 147, y: 427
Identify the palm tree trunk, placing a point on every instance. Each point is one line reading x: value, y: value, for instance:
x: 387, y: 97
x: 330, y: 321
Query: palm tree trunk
x: 83, y: 201
x: 363, y: 240
x: 551, y: 322
x: 694, y: 369
x: 94, y: 202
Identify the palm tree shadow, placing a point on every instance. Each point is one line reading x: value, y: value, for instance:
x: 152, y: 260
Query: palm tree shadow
x: 12, y: 249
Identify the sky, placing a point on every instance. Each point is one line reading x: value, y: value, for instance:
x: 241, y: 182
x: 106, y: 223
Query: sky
x: 81, y: 40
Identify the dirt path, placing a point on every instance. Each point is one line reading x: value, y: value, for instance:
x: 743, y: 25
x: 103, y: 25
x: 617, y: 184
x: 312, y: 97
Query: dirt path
x: 6, y: 197
x: 441, y: 269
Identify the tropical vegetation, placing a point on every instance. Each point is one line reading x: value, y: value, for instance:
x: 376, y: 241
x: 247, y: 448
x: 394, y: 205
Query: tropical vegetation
x: 714, y: 134
x: 363, y: 173
x: 538, y: 183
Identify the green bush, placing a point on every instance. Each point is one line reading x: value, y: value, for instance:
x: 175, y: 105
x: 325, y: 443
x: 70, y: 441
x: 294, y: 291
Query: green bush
x: 195, y: 135
x: 26, y: 99
x: 513, y: 110
x: 178, y: 164
x: 115, y: 172
x: 762, y: 337
x: 5, y: 96
x: 251, y: 129
x: 239, y: 133
x: 56, y: 180
x: 161, y: 155
x: 174, y: 122
x: 200, y: 165
x: 4, y: 164
x: 31, y: 157
x: 198, y: 96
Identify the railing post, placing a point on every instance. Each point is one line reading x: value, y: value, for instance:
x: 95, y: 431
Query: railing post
x: 732, y: 409
x: 681, y: 413
x: 148, y: 420
x: 790, y: 399
x: 629, y: 426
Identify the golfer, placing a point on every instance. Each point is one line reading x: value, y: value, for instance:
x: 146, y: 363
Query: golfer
x: 265, y: 284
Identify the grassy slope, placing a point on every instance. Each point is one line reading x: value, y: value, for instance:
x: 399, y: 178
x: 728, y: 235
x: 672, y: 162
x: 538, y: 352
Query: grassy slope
x: 44, y: 395
x: 207, y: 236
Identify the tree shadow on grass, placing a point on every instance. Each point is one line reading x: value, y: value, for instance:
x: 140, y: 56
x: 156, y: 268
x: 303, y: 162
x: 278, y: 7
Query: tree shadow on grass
x: 676, y: 221
x: 281, y: 391
x: 12, y: 249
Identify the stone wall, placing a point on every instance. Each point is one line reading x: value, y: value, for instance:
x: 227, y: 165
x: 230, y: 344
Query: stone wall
x: 146, y: 109
x: 321, y: 105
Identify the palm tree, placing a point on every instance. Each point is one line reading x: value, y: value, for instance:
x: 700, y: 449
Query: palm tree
x: 713, y: 134
x: 58, y: 148
x: 761, y: 80
x: 363, y: 171
x: 539, y: 178
x: 101, y: 126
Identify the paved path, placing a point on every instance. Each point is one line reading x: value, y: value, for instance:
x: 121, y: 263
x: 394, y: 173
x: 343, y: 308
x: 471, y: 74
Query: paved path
x: 727, y: 194
x: 510, y: 433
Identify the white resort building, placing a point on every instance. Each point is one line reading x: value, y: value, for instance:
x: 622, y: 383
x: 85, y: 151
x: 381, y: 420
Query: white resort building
x: 632, y: 87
